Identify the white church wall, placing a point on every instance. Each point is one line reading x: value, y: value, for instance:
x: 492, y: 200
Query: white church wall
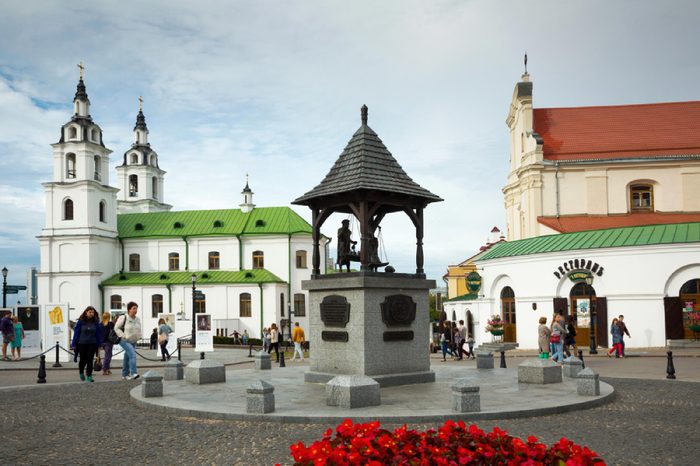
x: 226, y: 247
x: 276, y: 253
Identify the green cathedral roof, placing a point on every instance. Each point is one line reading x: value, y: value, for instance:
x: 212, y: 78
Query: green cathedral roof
x: 646, y: 235
x: 223, y: 222
x: 206, y: 277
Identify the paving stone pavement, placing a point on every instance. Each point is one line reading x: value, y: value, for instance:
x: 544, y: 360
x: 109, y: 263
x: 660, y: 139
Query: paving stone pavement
x: 651, y: 422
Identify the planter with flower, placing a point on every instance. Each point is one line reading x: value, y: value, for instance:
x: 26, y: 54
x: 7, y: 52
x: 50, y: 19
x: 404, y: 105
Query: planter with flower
x: 694, y: 322
x: 454, y: 443
x: 494, y: 326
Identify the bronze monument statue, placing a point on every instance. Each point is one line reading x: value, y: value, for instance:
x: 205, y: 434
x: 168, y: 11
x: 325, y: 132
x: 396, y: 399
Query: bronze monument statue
x: 346, y: 246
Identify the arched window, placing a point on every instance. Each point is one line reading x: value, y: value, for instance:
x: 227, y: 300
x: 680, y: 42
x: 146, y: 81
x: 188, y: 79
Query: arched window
x: 508, y: 314
x: 641, y: 198
x: 134, y: 159
x: 156, y: 305
x: 299, y: 305
x: 258, y: 260
x: 282, y: 306
x: 244, y: 305
x: 133, y: 185
x: 173, y: 261
x: 115, y: 302
x: 301, y: 259
x: 103, y: 211
x: 72, y: 132
x: 70, y: 165
x: 153, y: 160
x: 98, y: 168
x: 214, y: 260
x: 134, y: 262
x: 94, y: 136
x: 154, y: 187
x: 68, y: 209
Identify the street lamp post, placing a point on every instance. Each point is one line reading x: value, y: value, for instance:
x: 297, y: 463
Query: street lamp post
x: 194, y: 288
x: 589, y: 283
x: 4, y: 287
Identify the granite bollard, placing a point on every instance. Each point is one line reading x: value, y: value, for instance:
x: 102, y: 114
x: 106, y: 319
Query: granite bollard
x: 262, y: 361
x: 484, y: 360
x: 572, y: 366
x: 588, y: 383
x: 152, y: 385
x: 465, y: 397
x: 174, y: 370
x: 260, y: 398
x: 539, y: 371
x: 352, y: 391
x: 203, y: 371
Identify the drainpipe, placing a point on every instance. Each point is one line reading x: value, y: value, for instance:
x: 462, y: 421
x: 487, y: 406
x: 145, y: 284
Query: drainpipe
x: 187, y: 253
x: 121, y: 245
x: 170, y: 299
x: 289, y: 279
x: 240, y: 252
x: 102, y: 299
x: 556, y: 182
x: 261, y: 309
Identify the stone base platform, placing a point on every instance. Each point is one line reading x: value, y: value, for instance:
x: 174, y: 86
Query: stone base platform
x: 299, y: 402
x: 389, y: 380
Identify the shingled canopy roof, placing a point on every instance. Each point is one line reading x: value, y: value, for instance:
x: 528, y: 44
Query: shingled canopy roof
x: 367, y: 165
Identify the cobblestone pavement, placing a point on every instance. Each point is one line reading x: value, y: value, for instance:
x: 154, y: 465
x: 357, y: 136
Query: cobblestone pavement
x: 651, y: 422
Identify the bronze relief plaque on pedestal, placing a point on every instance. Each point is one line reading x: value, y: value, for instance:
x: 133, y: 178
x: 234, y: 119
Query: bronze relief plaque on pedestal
x: 335, y: 311
x: 398, y: 309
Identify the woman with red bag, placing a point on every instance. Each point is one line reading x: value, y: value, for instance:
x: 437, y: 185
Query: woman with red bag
x: 557, y: 339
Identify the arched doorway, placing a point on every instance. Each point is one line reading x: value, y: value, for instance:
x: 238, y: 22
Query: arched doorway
x: 583, y: 303
x: 508, y: 314
x: 690, y: 301
x: 470, y: 323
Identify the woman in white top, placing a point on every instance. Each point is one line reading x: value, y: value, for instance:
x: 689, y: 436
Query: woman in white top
x: 274, y: 341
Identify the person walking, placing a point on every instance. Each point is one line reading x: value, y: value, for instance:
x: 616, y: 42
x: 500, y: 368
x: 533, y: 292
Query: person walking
x: 266, y: 339
x: 470, y: 344
x: 245, y: 337
x: 543, y: 335
x: 8, y: 333
x: 298, y: 338
x: 570, y: 338
x: 616, y: 332
x: 274, y: 341
x: 623, y: 331
x: 154, y: 339
x: 128, y: 328
x: 107, y: 346
x: 87, y: 337
x: 16, y: 345
x: 164, y: 331
x: 557, y: 339
x: 461, y: 340
x: 445, y: 338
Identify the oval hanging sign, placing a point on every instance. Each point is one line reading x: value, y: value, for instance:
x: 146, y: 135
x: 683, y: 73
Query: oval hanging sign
x: 474, y: 282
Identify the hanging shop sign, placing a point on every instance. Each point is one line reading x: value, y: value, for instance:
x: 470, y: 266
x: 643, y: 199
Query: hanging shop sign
x: 577, y: 269
x: 474, y: 282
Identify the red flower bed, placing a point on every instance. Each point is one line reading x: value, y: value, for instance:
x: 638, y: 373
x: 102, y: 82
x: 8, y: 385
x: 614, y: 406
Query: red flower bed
x: 454, y: 443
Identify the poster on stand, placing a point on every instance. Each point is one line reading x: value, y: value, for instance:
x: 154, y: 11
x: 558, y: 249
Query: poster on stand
x: 55, y: 328
x: 583, y: 313
x: 172, y: 337
x: 29, y: 318
x: 205, y: 335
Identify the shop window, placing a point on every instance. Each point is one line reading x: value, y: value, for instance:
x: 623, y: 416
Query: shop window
x: 68, y: 209
x: 301, y: 259
x: 156, y: 305
x: 134, y: 262
x: 258, y: 260
x: 299, y: 305
x: 245, y: 305
x: 173, y: 261
x: 115, y: 301
x: 214, y: 260
x: 642, y: 198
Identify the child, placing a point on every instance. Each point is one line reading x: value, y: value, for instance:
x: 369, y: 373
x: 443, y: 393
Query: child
x: 543, y: 334
x: 616, y: 339
x: 470, y: 342
x: 154, y: 339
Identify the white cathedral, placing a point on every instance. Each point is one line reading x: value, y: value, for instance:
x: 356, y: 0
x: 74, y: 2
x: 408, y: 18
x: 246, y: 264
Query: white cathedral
x: 105, y: 246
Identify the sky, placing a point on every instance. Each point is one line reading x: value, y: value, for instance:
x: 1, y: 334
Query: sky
x: 273, y: 89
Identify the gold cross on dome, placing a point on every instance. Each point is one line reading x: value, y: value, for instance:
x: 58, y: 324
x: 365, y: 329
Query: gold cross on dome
x: 80, y: 65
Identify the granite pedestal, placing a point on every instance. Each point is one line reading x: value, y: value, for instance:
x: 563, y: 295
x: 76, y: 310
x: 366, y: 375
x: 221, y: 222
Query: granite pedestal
x: 572, y: 366
x: 203, y: 371
x: 588, y: 383
x: 465, y: 397
x: 260, y: 398
x: 174, y: 370
x: 352, y: 391
x: 152, y: 385
x: 262, y: 361
x: 373, y: 324
x: 539, y: 371
x: 484, y: 360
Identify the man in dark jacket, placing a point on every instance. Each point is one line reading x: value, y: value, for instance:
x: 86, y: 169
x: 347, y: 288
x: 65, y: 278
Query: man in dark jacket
x: 623, y: 332
x: 8, y: 333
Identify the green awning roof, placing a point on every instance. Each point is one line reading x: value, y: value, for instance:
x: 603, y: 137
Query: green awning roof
x: 208, y: 277
x: 677, y: 233
x: 223, y: 222
x: 464, y: 297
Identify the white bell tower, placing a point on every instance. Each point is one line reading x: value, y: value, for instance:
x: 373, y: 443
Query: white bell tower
x: 79, y: 240
x: 247, y: 205
x: 140, y: 178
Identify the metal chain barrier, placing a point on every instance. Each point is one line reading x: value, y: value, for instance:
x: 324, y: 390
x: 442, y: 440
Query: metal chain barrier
x: 29, y: 358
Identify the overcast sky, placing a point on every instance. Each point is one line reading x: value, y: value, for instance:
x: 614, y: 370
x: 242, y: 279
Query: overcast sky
x: 274, y: 89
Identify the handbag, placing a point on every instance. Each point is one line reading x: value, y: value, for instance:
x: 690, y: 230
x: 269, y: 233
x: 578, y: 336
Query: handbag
x: 555, y: 339
x: 98, y: 364
x: 113, y: 337
x: 162, y: 338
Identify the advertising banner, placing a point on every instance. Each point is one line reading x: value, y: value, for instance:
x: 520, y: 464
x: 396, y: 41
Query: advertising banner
x: 583, y: 313
x: 29, y: 318
x: 55, y: 328
x: 172, y: 338
x: 205, y: 334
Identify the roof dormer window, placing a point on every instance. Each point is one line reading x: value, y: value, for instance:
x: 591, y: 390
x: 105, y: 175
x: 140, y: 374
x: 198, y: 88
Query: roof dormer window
x: 134, y: 159
x: 72, y: 132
